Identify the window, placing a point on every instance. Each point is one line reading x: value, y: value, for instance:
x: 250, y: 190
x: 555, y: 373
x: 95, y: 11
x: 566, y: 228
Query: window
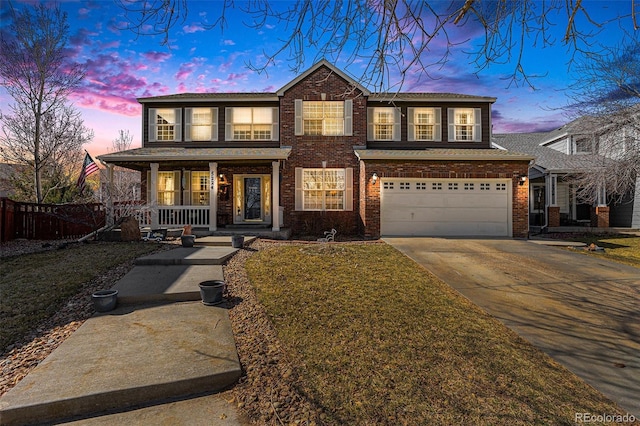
x: 464, y: 125
x: 323, y: 118
x: 245, y: 124
x: 583, y: 145
x: 168, y: 188
x: 324, y: 189
x: 164, y: 124
x: 383, y: 124
x: 201, y: 124
x: 424, y: 124
x: 200, y: 188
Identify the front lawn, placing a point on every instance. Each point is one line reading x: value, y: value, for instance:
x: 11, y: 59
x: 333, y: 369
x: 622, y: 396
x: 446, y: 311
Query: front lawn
x: 619, y: 248
x: 34, y: 286
x: 379, y: 340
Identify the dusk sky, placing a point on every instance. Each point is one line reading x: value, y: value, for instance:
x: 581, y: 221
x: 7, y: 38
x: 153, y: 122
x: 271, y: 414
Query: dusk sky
x: 122, y: 66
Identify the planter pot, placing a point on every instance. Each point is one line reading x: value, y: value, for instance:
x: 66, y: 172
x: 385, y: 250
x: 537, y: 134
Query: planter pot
x: 211, y: 292
x: 105, y: 300
x: 237, y: 241
x: 188, y: 240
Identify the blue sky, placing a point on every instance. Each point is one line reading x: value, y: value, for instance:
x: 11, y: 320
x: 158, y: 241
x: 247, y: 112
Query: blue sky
x: 122, y: 66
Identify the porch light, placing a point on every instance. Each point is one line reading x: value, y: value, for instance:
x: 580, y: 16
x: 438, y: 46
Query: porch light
x: 522, y: 180
x: 374, y: 178
x: 222, y: 179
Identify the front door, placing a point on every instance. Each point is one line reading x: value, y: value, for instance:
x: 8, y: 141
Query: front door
x: 252, y: 199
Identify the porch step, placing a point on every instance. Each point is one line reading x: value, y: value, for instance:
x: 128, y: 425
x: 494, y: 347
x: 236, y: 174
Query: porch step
x: 198, y: 255
x: 219, y: 240
x: 161, y: 283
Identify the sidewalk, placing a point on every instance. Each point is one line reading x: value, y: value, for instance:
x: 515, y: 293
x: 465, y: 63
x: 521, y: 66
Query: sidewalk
x: 159, y: 357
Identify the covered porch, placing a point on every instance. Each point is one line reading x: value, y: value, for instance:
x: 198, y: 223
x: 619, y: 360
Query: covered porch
x: 210, y: 189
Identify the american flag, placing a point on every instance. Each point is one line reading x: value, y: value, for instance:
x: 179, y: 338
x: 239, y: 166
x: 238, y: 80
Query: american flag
x: 89, y: 166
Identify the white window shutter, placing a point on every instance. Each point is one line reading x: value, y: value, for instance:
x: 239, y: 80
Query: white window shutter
x: 186, y: 191
x: 477, y: 128
x: 348, y: 202
x: 397, y: 117
x: 177, y: 135
x: 214, y: 124
x: 348, y: 117
x: 299, y: 201
x: 153, y: 127
x: 437, y: 128
x: 299, y: 128
x: 370, y: 133
x: 187, y: 124
x: 275, y: 125
x: 228, y: 124
x: 451, y: 120
x: 176, y: 188
x: 411, y: 131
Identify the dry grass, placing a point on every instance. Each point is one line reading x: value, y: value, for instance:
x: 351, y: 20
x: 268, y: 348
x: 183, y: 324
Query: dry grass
x: 379, y: 340
x: 34, y: 286
x: 619, y: 248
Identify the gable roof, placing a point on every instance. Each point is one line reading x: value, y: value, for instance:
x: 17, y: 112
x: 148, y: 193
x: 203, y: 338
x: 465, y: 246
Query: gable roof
x: 545, y: 157
x: 314, y: 68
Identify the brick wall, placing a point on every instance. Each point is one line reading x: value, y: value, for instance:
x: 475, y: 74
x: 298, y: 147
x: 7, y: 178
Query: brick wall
x: 600, y: 217
x: 311, y: 151
x: 554, y: 216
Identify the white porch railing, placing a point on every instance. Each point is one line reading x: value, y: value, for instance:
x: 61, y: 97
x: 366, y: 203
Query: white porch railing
x: 169, y: 216
x: 177, y: 216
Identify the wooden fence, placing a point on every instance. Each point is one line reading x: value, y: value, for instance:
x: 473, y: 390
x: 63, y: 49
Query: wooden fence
x: 48, y: 221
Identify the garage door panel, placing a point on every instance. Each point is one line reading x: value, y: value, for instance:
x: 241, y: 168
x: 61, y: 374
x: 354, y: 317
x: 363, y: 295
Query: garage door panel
x: 454, y: 207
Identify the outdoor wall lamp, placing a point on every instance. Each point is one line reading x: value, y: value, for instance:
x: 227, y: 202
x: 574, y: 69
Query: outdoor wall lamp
x: 374, y: 178
x: 222, y: 179
x: 522, y: 180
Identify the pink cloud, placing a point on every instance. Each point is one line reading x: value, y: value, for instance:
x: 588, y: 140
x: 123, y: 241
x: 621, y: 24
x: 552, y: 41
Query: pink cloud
x: 156, y: 56
x: 107, y: 102
x: 193, y: 28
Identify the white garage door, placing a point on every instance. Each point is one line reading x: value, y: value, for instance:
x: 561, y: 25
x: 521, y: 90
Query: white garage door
x: 445, y: 207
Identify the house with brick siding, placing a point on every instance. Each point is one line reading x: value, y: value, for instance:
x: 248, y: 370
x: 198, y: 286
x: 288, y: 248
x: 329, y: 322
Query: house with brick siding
x: 324, y: 152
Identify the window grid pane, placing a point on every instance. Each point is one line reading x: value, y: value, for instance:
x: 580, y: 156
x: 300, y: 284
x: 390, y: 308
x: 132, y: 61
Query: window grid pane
x: 324, y: 189
x: 323, y: 118
x: 424, y: 120
x: 252, y: 123
x: 200, y: 188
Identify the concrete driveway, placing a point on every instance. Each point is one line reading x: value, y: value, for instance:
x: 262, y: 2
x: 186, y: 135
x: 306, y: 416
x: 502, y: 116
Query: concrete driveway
x: 582, y: 311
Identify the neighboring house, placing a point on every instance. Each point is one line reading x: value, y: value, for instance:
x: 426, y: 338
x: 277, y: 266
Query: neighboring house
x: 559, y: 156
x: 323, y: 152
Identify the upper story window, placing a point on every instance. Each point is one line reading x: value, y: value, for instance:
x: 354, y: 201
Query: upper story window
x: 201, y: 124
x: 583, y: 145
x: 424, y: 124
x: 246, y: 123
x: 323, y: 118
x: 464, y: 125
x: 383, y: 124
x: 165, y: 124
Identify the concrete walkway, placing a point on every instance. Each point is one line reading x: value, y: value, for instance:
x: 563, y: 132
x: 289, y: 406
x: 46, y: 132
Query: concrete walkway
x: 161, y: 355
x: 581, y: 310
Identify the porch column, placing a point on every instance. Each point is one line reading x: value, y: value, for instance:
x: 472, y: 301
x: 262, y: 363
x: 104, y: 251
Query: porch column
x: 275, y: 191
x: 153, y: 191
x: 213, y: 196
x: 600, y: 213
x: 110, y: 219
x: 553, y: 210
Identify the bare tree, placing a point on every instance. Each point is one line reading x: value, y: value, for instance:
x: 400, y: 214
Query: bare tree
x: 38, y: 75
x: 62, y: 135
x: 394, y: 38
x: 606, y: 97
